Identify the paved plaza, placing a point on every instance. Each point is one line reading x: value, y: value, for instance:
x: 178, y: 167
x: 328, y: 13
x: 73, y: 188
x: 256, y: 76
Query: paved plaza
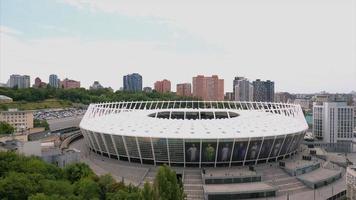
x: 272, y: 174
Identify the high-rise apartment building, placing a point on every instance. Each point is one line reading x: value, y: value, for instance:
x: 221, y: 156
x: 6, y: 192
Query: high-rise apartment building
x: 263, y: 90
x: 69, y: 84
x: 333, y: 121
x: 184, y: 89
x: 242, y: 89
x: 19, y: 81
x: 163, y: 86
x: 269, y: 90
x: 208, y: 88
x: 54, y: 81
x: 132, y: 82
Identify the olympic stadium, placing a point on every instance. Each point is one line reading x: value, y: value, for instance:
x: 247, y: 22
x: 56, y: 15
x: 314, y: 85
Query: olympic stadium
x: 194, y: 133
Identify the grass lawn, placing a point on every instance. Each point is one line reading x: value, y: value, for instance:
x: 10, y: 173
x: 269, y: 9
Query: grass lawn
x: 49, y: 103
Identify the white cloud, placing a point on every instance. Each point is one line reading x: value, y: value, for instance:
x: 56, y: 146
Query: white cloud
x: 8, y: 30
x: 55, y: 28
x: 301, y: 45
x: 310, y: 38
x: 106, y: 61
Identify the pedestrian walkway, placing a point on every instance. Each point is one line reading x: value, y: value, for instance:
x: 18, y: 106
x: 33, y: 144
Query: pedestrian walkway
x: 285, y: 183
x: 193, y: 184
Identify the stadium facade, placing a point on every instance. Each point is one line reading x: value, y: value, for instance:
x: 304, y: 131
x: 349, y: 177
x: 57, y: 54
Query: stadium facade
x: 194, y: 133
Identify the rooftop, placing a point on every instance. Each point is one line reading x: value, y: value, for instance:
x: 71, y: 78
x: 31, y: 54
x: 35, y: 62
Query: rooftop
x: 229, y: 172
x: 319, y: 175
x: 238, y: 188
x: 300, y: 164
x: 3, y: 97
x: 249, y: 123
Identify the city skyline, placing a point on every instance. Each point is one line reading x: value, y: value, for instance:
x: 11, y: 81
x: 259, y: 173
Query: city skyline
x: 106, y: 40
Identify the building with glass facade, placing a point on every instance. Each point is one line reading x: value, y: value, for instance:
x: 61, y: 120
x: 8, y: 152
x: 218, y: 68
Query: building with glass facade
x: 263, y: 90
x: 333, y: 122
x: 54, y: 81
x: 194, y: 133
x: 132, y: 82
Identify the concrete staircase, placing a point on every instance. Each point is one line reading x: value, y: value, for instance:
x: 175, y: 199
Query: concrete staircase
x: 150, y: 176
x: 193, y: 185
x: 284, y: 182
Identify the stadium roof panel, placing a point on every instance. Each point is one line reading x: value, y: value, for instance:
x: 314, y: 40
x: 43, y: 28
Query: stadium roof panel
x: 254, y: 119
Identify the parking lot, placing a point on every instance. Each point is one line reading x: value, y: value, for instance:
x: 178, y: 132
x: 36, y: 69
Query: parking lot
x: 51, y: 114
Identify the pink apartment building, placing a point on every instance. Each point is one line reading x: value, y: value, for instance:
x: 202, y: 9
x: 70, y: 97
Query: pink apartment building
x: 208, y: 88
x: 184, y: 89
x: 163, y: 86
x: 68, y: 84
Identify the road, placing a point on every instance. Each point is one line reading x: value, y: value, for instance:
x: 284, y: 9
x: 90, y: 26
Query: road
x: 55, y: 124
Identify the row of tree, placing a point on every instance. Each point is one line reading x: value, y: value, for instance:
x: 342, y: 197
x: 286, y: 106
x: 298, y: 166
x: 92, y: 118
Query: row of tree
x: 31, y: 178
x: 41, y: 123
x: 81, y: 95
x: 6, y: 128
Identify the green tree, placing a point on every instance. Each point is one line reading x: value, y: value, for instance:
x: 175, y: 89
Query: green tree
x: 41, y: 196
x: 147, y: 193
x: 31, y: 178
x: 106, y: 184
x: 87, y: 188
x: 16, y: 186
x: 4, y: 107
x: 6, y: 128
x: 75, y: 172
x: 123, y: 195
x: 58, y: 187
x: 166, y: 185
x: 41, y: 123
x: 81, y: 95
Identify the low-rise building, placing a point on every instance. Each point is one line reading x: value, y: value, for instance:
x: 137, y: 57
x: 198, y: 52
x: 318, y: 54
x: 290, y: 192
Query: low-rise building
x: 27, y: 148
x: 5, y: 99
x: 306, y: 104
x: 147, y: 89
x: 229, y: 96
x: 96, y: 86
x: 284, y: 97
x: 48, y: 153
x: 351, y: 182
x: 20, y: 120
x: 60, y: 158
x: 39, y: 83
x: 68, y: 84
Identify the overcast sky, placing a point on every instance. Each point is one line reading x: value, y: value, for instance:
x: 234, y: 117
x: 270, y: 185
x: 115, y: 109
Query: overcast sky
x: 302, y: 45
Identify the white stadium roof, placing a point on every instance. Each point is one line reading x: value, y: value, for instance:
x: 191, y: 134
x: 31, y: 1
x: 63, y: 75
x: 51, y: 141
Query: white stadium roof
x: 250, y: 123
